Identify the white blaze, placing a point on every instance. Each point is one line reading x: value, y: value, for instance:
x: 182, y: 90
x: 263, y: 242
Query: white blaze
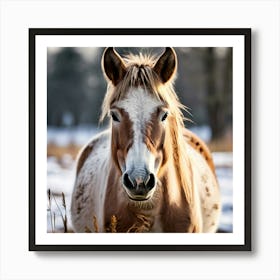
x: 139, y: 105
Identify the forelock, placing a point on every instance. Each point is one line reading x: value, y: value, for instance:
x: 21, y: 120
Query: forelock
x: 140, y: 74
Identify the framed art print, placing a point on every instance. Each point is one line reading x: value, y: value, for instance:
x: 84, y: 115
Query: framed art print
x: 140, y: 139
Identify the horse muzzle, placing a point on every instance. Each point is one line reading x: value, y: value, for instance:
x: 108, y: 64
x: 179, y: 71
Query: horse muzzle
x: 139, y: 185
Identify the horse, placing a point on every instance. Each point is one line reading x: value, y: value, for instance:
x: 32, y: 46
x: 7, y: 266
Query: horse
x: 146, y: 172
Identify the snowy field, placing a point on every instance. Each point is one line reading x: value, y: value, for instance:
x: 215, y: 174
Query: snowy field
x: 61, y: 176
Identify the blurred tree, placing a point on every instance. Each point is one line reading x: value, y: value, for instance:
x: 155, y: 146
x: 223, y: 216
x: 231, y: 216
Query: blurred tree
x: 218, y: 68
x: 190, y: 84
x: 96, y: 89
x: 76, y: 87
x: 66, y: 88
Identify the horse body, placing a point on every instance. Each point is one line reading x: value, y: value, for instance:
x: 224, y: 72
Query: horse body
x: 146, y: 170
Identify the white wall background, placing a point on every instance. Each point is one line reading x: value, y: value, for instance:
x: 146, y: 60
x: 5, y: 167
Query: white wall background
x: 16, y: 262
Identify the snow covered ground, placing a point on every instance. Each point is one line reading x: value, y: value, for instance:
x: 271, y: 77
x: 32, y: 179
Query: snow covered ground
x: 61, y: 176
x: 223, y: 163
x: 78, y: 135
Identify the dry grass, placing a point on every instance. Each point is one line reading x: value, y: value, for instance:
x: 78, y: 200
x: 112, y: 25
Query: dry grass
x: 114, y: 223
x: 112, y: 228
x: 142, y: 224
x: 223, y: 144
x: 62, y: 209
x: 58, y: 201
x: 220, y: 146
x: 95, y: 226
x: 59, y: 151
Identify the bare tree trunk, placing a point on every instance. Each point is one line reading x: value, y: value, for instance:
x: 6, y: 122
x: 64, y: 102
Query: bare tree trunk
x: 218, y: 84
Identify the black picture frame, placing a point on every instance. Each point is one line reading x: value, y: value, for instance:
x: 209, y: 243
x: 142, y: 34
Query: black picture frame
x: 33, y: 33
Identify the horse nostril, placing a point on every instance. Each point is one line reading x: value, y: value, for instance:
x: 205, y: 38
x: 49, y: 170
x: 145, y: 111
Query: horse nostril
x: 150, y: 183
x: 127, y: 181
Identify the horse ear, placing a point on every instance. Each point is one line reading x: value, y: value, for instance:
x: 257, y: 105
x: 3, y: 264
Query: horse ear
x: 113, y: 66
x: 166, y: 65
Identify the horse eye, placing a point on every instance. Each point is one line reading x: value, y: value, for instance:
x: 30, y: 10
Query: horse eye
x: 114, y: 117
x: 163, y: 118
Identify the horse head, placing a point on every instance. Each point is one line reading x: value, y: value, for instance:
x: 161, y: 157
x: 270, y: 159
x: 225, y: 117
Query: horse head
x: 140, y: 118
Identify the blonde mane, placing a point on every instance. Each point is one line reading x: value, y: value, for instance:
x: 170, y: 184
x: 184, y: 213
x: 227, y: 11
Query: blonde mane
x: 140, y: 73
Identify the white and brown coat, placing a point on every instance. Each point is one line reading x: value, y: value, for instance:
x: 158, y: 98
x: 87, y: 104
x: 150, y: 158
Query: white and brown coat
x: 146, y: 169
